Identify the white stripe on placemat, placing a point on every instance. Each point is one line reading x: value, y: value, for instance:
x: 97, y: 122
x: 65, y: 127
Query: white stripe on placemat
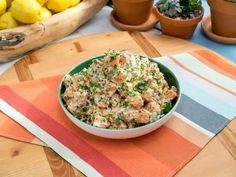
x: 59, y: 148
x: 189, y: 122
x: 201, y: 91
x: 190, y: 62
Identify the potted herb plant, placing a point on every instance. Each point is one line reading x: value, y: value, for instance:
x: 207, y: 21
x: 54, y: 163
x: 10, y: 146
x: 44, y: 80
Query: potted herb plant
x: 223, y: 17
x: 179, y: 18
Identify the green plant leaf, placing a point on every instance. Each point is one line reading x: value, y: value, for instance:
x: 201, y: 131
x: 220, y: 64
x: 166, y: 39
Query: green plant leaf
x: 180, y: 8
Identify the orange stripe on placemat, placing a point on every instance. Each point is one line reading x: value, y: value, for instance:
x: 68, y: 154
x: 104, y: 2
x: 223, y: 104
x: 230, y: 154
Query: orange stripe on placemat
x: 168, y: 147
x: 71, y: 141
x: 10, y: 129
x: 187, y: 131
x: 134, y: 156
x: 130, y: 157
x: 160, y: 153
x: 213, y: 83
x: 45, y: 98
x: 216, y: 62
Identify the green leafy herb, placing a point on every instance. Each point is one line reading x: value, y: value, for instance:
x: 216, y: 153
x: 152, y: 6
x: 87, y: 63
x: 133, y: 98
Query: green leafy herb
x: 180, y: 8
x: 119, y: 118
x: 125, y: 103
x: 85, y: 108
x: 132, y: 92
x: 154, y: 72
x: 92, y: 100
x: 94, y: 84
x: 158, y: 80
x: 141, y: 86
x: 113, y: 54
x: 167, y: 108
x: 69, y: 82
x: 115, y: 70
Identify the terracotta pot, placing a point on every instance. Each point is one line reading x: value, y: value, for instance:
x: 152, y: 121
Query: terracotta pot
x: 133, y: 12
x: 223, y: 17
x: 178, y: 27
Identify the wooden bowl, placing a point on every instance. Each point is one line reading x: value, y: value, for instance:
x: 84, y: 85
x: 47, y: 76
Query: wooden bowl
x: 17, y: 41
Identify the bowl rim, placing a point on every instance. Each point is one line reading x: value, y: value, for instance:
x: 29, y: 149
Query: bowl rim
x: 118, y: 130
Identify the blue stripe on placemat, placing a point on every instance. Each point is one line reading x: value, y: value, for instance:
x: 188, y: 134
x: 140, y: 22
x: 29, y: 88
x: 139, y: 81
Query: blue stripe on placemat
x: 201, y: 115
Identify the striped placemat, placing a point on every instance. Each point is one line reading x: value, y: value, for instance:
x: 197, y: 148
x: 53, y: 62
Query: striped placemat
x: 207, y: 105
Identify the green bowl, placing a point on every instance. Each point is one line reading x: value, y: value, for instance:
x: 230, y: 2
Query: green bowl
x: 121, y: 133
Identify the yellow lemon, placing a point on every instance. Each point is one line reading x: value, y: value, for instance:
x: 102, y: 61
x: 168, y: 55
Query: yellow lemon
x: 3, y: 6
x: 7, y: 21
x: 9, y: 2
x: 42, y: 2
x: 58, y: 5
x: 45, y: 13
x: 74, y: 2
x: 26, y: 11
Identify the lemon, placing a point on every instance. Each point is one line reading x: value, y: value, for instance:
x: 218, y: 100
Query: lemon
x: 58, y: 5
x: 3, y: 6
x: 26, y: 11
x: 9, y: 2
x: 74, y: 2
x: 45, y: 13
x: 7, y: 21
x: 42, y: 2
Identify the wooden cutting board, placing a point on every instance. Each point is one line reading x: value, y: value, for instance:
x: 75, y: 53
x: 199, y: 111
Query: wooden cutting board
x: 217, y: 159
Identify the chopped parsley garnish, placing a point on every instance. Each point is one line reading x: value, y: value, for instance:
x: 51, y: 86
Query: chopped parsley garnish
x: 141, y: 86
x: 132, y: 92
x: 142, y: 67
x: 94, y: 84
x: 167, y: 108
x: 125, y: 103
x: 115, y: 69
x: 69, y: 82
x: 158, y: 80
x: 85, y: 108
x: 92, y: 100
x: 154, y: 72
x: 109, y: 76
x: 120, y: 89
x: 119, y: 118
x: 113, y: 54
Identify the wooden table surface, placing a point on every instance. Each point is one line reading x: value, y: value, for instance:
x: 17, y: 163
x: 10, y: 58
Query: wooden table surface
x: 19, y: 159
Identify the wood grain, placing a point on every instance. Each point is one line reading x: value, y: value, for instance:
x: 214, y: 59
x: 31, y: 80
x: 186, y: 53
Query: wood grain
x: 228, y: 139
x: 167, y: 45
x: 146, y: 46
x: 60, y: 167
x: 20, y: 159
x: 22, y: 68
x: 216, y: 159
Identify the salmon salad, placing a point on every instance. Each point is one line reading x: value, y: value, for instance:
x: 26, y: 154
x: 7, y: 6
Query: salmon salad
x: 120, y: 91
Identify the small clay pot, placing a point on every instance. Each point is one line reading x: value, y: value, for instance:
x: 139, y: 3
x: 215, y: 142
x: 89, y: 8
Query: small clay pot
x: 179, y: 27
x: 223, y: 17
x: 133, y: 12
